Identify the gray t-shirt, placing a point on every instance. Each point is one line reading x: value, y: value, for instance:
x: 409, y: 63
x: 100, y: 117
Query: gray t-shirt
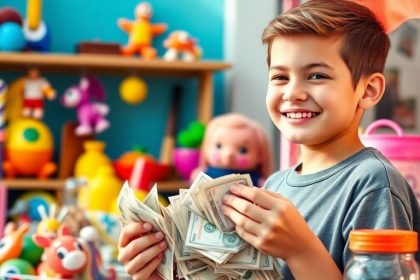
x: 363, y: 191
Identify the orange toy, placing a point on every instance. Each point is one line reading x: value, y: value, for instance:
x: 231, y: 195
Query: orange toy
x: 11, y: 244
x: 29, y: 149
x: 181, y: 43
x: 141, y: 32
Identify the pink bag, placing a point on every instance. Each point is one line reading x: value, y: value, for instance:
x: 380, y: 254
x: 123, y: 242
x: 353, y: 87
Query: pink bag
x: 402, y: 150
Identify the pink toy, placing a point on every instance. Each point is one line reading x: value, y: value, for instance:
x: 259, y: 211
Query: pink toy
x: 401, y: 149
x: 234, y: 143
x: 181, y: 45
x: 11, y: 243
x: 65, y: 256
x: 3, y: 208
x: 91, y: 115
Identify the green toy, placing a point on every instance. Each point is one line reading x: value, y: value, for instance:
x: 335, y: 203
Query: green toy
x: 192, y: 136
x: 30, y: 251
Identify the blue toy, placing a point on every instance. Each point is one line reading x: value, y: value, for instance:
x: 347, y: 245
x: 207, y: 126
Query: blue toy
x: 11, y: 37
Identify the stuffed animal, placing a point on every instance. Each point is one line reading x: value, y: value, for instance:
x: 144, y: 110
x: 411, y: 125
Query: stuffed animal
x: 65, y: 255
x: 91, y: 114
x: 141, y: 32
x: 181, y: 45
x: 11, y: 243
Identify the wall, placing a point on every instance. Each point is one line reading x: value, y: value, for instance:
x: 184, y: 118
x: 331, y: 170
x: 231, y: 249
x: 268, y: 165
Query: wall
x: 144, y: 124
x: 247, y: 82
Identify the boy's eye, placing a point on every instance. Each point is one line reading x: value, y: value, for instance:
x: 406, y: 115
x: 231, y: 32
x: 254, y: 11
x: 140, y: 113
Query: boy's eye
x: 317, y: 76
x: 280, y: 78
x: 243, y: 150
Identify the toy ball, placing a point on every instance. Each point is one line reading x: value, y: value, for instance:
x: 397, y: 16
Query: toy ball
x: 10, y: 15
x: 133, y: 90
x: 16, y: 266
x: 11, y: 37
x: 30, y: 251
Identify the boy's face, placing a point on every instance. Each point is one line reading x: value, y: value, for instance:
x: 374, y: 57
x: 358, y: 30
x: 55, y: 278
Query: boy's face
x: 233, y: 148
x: 310, y: 95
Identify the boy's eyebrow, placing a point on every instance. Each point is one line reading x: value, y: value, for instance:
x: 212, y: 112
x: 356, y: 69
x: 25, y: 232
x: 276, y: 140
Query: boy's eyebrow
x: 306, y: 67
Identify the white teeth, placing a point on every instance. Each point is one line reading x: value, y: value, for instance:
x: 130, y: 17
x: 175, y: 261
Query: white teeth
x: 300, y: 115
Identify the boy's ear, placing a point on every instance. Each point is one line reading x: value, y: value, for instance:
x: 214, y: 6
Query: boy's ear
x: 374, y: 87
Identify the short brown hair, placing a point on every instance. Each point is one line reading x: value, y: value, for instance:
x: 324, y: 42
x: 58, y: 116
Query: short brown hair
x: 365, y: 43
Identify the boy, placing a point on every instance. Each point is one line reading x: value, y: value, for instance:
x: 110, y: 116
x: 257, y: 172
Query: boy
x: 325, y: 63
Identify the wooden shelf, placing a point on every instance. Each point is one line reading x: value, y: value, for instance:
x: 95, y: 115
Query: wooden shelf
x: 29, y: 184
x: 113, y: 64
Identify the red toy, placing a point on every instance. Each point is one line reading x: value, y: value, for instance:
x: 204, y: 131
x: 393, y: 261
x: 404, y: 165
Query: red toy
x: 65, y: 255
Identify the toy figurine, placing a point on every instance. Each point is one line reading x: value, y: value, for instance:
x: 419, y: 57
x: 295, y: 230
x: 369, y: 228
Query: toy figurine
x: 91, y: 115
x: 65, y: 255
x: 234, y: 143
x: 181, y: 45
x: 35, y: 88
x: 11, y: 243
x: 141, y: 32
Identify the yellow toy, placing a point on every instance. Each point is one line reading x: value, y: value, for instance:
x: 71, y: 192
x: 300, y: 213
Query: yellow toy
x: 29, y: 149
x: 49, y: 224
x: 181, y: 45
x: 141, y: 32
x: 133, y: 90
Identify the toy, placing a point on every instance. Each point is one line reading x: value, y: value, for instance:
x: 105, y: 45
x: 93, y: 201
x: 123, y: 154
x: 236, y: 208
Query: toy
x: 133, y: 90
x: 11, y: 37
x: 11, y: 243
x: 95, y: 269
x: 30, y: 251
x: 15, y: 268
x: 3, y: 208
x: 36, y: 32
x: 29, y: 149
x: 49, y: 224
x: 91, y: 115
x: 65, y: 255
x: 8, y: 14
x: 28, y: 203
x: 141, y: 32
x: 234, y: 143
x: 125, y: 163
x: 187, y: 154
x: 94, y: 156
x: 180, y: 44
x: 35, y: 88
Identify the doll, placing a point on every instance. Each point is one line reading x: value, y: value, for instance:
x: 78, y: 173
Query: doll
x: 35, y: 88
x: 234, y: 143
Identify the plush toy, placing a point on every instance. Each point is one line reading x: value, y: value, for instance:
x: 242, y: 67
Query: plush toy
x: 141, y: 32
x: 11, y: 243
x: 65, y: 255
x: 234, y: 143
x: 91, y: 115
x: 181, y: 45
x: 35, y: 88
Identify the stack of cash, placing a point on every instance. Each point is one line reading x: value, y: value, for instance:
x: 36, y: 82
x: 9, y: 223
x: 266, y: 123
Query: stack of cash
x: 202, y: 243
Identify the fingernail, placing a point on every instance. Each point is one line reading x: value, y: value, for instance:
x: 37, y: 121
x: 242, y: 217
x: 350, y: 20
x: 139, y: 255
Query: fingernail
x: 162, y: 244
x: 147, y: 226
x: 159, y: 235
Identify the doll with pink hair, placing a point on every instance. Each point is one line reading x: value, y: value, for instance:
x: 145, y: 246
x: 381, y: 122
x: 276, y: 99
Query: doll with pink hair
x: 233, y: 143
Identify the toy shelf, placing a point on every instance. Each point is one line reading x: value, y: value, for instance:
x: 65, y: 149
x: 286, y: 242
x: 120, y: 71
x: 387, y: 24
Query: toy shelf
x: 35, y: 184
x: 119, y: 65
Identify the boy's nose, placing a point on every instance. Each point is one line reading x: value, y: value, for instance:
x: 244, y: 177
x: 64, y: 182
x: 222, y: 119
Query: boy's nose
x: 294, y: 92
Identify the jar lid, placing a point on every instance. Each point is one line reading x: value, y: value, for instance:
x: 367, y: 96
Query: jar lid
x: 383, y: 241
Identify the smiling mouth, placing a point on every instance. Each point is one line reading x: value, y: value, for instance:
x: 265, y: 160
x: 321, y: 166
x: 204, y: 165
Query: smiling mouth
x: 300, y: 115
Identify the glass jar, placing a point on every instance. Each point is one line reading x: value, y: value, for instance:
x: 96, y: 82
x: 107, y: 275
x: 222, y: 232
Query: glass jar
x: 382, y: 255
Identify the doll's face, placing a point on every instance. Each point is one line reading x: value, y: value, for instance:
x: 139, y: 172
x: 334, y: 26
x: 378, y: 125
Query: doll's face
x: 233, y: 148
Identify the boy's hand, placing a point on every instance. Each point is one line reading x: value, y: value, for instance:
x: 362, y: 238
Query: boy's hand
x: 268, y: 221
x: 141, y: 251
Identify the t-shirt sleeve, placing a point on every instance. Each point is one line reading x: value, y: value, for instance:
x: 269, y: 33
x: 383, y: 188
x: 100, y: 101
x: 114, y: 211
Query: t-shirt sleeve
x: 379, y: 209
